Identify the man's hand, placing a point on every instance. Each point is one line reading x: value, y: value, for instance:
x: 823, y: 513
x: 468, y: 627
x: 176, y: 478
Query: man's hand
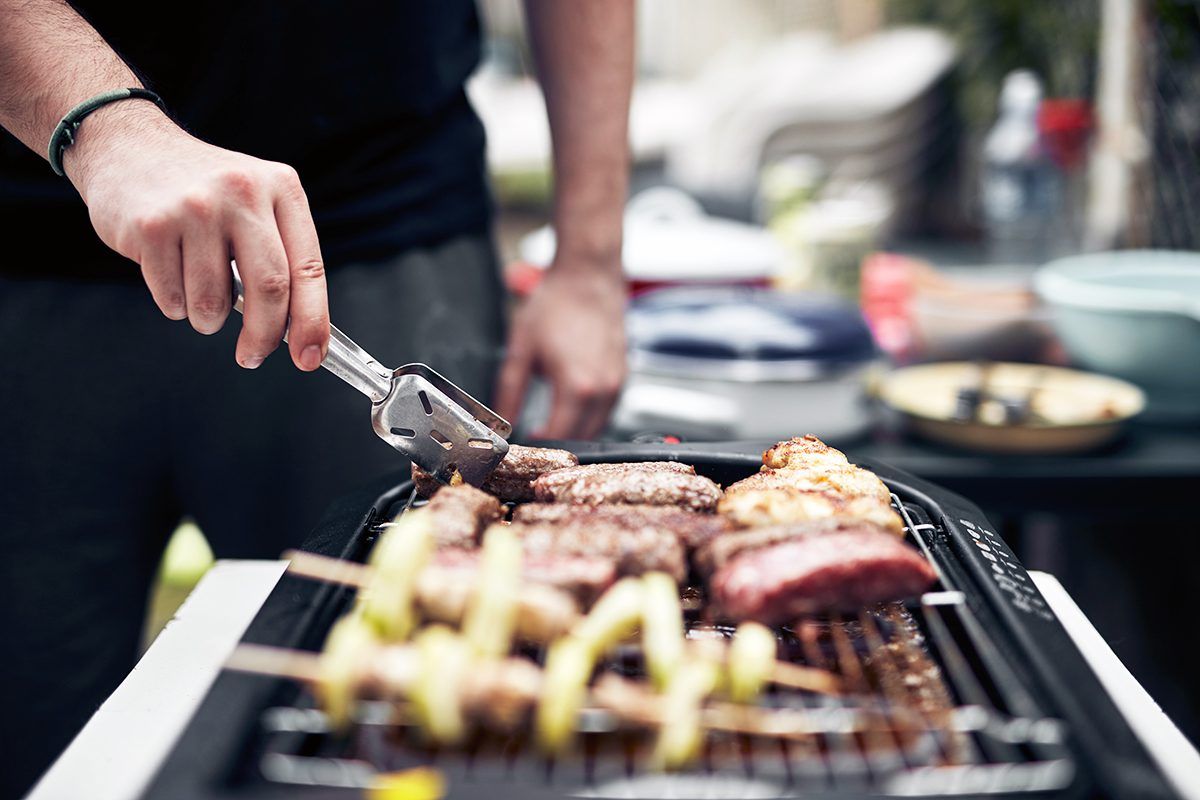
x: 182, y: 208
x: 570, y: 330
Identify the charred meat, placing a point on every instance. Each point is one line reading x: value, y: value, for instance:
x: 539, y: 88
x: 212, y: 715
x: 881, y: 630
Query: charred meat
x: 662, y: 483
x: 512, y: 479
x: 460, y: 513
x: 632, y: 551
x: 583, y: 577
x: 693, y: 528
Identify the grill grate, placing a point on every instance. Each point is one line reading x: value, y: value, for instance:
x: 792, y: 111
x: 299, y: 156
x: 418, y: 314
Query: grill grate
x: 933, y: 710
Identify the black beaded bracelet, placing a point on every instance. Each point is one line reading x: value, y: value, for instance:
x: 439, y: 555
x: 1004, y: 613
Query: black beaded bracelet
x: 64, y: 134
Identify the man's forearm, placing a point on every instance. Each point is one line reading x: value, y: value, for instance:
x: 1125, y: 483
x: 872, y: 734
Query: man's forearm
x: 50, y: 60
x: 584, y: 51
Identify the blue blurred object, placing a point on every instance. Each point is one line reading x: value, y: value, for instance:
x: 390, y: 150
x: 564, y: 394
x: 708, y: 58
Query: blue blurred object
x: 737, y: 363
x: 1134, y: 314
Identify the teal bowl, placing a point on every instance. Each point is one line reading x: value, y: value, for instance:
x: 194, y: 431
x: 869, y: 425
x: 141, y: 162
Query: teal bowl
x: 1134, y: 314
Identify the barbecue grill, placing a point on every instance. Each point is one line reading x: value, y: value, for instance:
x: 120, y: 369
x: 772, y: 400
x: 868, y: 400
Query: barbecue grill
x: 972, y: 689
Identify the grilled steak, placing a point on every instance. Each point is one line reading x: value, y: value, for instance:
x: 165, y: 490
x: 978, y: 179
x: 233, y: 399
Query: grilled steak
x: 661, y: 483
x: 632, y: 551
x: 724, y: 548
x: 460, y: 513
x: 513, y: 475
x: 583, y: 577
x: 694, y: 529
x: 843, y: 570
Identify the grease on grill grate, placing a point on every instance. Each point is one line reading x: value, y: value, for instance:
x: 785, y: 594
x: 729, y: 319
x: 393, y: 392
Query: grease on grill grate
x: 920, y: 715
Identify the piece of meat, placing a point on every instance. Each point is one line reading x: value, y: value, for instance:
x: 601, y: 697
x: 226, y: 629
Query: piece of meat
x: 693, y: 528
x: 632, y: 551
x: 724, y: 548
x: 651, y: 483
x: 838, y: 571
x: 583, y: 577
x: 460, y: 513
x: 754, y: 507
x: 846, y: 481
x: 803, y: 452
x: 511, y: 481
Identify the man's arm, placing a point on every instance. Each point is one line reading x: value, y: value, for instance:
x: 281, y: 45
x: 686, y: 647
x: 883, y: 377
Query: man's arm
x: 178, y: 207
x: 571, y: 328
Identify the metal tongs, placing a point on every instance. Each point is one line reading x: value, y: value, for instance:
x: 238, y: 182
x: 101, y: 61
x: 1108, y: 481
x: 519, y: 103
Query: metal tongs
x: 440, y: 427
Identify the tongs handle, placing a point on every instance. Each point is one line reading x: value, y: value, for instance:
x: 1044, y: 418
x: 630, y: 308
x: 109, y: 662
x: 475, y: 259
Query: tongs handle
x: 344, y: 358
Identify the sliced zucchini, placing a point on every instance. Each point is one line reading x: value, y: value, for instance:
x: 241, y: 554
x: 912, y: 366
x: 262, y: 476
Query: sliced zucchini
x: 662, y: 627
x: 751, y: 657
x: 568, y: 669
x: 614, y: 616
x: 397, y: 560
x: 682, y: 733
x: 491, y: 615
x: 344, y: 663
x: 436, y: 697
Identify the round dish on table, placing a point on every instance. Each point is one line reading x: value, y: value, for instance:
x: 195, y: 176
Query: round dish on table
x: 1065, y: 410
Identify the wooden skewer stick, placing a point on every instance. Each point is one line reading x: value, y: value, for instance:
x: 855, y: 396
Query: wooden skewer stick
x: 808, y: 678
x: 278, y: 662
x: 324, y: 568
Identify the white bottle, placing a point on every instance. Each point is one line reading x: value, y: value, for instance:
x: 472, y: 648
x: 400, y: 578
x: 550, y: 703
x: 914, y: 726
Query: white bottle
x: 1020, y: 184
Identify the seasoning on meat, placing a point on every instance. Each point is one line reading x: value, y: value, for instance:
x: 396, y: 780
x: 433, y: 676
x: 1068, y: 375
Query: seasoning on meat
x: 661, y: 483
x: 845, y: 570
x: 583, y: 577
x: 460, y: 513
x: 693, y: 528
x: 724, y: 548
x: 513, y: 475
x: 632, y: 550
x: 784, y: 505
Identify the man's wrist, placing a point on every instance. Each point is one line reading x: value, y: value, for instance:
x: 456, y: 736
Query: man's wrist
x: 110, y: 129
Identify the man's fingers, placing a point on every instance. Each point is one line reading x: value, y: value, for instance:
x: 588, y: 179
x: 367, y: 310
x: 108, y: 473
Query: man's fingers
x: 207, y: 279
x: 596, y: 415
x: 308, y: 335
x: 513, y: 380
x: 566, y: 414
x: 262, y: 263
x: 162, y: 269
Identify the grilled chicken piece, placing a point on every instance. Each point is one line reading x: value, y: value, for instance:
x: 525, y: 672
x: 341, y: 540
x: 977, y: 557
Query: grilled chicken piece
x: 844, y: 570
x: 512, y: 478
x: 803, y: 452
x: 632, y: 550
x: 783, y: 505
x: 460, y: 513
x: 583, y: 577
x: 661, y: 483
x: 693, y: 528
x: 724, y: 548
x: 847, y: 481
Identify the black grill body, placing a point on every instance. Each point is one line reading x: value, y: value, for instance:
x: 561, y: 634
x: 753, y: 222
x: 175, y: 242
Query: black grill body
x: 1014, y: 655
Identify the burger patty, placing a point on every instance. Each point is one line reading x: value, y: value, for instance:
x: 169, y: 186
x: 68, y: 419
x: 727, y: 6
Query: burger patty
x: 460, y: 513
x: 583, y: 577
x: 846, y: 481
x: 660, y: 483
x: 631, y: 550
x: 512, y: 478
x: 693, y: 528
x: 837, y: 571
x: 722, y: 549
x: 784, y: 505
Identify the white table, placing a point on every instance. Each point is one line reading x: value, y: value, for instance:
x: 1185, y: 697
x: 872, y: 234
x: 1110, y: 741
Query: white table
x: 120, y: 749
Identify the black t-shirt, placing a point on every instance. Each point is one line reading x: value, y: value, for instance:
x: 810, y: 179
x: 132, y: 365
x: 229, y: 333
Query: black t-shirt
x: 363, y: 97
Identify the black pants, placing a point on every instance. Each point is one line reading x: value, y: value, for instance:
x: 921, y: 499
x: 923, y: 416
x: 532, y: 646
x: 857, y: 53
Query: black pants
x: 115, y: 422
